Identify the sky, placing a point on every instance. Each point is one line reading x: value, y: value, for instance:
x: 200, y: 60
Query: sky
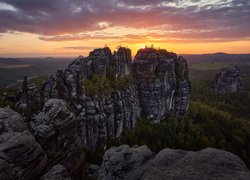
x: 31, y: 28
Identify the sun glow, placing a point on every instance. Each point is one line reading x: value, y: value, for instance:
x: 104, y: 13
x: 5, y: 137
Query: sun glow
x: 29, y: 45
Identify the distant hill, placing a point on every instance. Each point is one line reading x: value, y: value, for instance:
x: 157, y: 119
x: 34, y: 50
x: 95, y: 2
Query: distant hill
x: 14, y: 69
x: 194, y: 58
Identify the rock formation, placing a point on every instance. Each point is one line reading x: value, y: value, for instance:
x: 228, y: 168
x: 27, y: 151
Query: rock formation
x: 154, y: 85
x: 228, y: 81
x: 162, y: 81
x: 27, y: 96
x: 140, y: 163
x: 48, y: 142
x: 56, y: 172
x: 28, y: 149
x: 55, y: 128
x: 123, y: 62
x: 21, y: 156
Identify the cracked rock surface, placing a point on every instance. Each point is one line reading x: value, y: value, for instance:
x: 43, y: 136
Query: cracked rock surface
x: 136, y: 163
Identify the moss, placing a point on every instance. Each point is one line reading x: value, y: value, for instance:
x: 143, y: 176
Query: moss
x: 38, y: 81
x: 98, y: 85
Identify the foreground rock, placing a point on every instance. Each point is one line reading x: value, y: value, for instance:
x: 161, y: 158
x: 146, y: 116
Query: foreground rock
x: 21, y: 156
x: 54, y: 145
x: 140, y: 163
x: 57, y: 172
x: 228, y: 81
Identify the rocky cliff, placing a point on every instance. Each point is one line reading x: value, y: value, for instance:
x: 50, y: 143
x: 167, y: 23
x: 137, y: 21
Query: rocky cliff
x: 109, y: 92
x: 48, y: 143
x: 21, y: 156
x: 228, y: 81
x: 139, y: 162
x: 162, y: 82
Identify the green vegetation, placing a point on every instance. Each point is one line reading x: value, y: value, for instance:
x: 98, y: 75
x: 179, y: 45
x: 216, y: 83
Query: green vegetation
x: 38, y: 81
x: 212, y: 120
x: 5, y: 102
x: 238, y: 104
x: 98, y: 85
x: 15, y: 66
x: 203, y: 126
x: 11, y: 91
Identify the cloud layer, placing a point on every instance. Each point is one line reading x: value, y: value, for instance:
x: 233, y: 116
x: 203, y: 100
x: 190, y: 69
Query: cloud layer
x: 170, y: 20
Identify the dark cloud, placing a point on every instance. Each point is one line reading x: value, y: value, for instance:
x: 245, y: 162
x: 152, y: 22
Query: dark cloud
x: 59, y: 20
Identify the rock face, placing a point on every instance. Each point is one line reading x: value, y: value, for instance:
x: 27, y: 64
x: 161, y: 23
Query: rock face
x: 123, y: 61
x: 154, y: 85
x: 140, y: 163
x: 28, y: 149
x: 55, y: 128
x: 228, y: 81
x: 118, y: 163
x: 163, y: 83
x: 21, y: 156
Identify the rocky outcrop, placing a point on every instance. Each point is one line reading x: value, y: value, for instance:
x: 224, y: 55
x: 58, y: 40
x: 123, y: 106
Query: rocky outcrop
x: 140, y: 163
x: 106, y: 117
x: 55, y: 128
x: 28, y: 149
x: 118, y: 163
x: 27, y: 96
x: 163, y: 85
x: 123, y: 61
x: 154, y: 85
x: 98, y: 118
x: 21, y: 156
x: 228, y: 81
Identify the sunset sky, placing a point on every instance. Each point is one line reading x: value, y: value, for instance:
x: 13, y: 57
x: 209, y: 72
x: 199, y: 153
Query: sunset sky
x: 73, y: 27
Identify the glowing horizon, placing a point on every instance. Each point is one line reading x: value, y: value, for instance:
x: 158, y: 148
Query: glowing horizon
x: 71, y: 28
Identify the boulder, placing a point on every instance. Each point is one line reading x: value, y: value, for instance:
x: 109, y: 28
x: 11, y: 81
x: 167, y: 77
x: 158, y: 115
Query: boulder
x: 228, y: 81
x: 57, y: 172
x: 119, y: 162
x: 136, y: 163
x: 205, y: 164
x: 21, y: 156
